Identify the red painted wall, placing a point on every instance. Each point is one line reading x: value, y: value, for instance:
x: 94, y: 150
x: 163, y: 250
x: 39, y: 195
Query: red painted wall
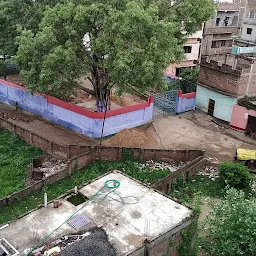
x: 186, y: 95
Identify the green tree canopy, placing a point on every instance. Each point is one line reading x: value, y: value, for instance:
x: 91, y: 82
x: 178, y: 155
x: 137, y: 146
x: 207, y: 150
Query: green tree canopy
x: 131, y: 43
x: 187, y: 82
x: 19, y: 13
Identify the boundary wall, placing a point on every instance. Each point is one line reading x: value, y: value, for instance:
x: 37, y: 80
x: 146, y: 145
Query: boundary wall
x: 75, y: 118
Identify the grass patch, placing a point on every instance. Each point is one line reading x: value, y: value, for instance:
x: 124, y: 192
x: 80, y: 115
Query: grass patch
x: 88, y: 173
x: 203, y: 185
x: 15, y: 156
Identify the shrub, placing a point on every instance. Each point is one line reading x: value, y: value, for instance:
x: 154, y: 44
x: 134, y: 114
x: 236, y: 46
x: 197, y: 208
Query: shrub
x: 235, y: 175
x: 230, y: 229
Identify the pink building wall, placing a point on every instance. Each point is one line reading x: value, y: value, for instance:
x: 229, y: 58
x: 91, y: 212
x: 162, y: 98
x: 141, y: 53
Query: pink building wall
x: 189, y: 58
x: 239, y: 117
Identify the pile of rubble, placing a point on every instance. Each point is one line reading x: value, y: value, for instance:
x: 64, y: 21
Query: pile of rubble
x: 93, y: 242
x: 210, y: 171
x: 51, y: 166
x: 172, y: 166
x: 48, y: 166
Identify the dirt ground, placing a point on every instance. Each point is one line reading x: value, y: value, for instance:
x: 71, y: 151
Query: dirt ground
x: 191, y: 130
x: 86, y: 100
x: 187, y: 131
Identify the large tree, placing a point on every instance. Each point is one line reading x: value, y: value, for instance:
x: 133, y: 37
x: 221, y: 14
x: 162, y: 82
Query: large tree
x: 131, y: 43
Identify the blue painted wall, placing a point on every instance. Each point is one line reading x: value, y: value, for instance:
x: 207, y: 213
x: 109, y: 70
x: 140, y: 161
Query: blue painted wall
x: 184, y: 104
x: 80, y: 123
x: 223, y: 104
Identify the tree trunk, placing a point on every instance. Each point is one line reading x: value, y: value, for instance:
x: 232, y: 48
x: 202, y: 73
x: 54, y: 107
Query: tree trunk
x: 100, y: 81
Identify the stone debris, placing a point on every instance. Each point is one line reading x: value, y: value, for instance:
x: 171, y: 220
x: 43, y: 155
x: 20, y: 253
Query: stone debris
x: 96, y: 243
x: 210, y: 171
x: 54, y: 250
x: 93, y: 242
x: 172, y: 166
x: 51, y: 165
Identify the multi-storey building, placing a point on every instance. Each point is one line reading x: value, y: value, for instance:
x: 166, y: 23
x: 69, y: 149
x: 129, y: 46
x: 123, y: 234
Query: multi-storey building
x: 248, y: 32
x: 218, y: 32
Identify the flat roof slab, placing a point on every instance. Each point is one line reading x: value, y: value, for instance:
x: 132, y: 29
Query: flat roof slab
x: 124, y: 223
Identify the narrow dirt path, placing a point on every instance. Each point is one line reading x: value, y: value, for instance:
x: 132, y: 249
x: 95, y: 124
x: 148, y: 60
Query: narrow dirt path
x: 43, y: 128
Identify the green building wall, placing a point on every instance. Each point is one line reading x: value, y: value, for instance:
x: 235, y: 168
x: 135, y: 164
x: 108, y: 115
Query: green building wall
x: 223, y: 104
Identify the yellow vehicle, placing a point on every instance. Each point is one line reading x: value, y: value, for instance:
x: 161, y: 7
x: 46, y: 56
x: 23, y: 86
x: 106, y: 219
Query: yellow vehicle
x: 246, y: 155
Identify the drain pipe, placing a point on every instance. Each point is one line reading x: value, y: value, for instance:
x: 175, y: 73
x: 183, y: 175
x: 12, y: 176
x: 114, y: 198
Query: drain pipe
x: 45, y: 200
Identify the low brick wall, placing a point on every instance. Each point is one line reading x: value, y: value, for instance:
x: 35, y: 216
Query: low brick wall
x: 188, y: 171
x: 94, y: 153
x: 35, y: 187
x: 34, y: 139
x: 138, y: 154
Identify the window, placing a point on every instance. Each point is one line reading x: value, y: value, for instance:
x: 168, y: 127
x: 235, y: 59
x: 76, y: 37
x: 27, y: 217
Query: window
x: 251, y: 15
x: 178, y: 70
x: 226, y: 21
x: 188, y: 49
x: 229, y: 43
x: 222, y: 42
x: 249, y: 31
x: 217, y: 22
x: 214, y: 44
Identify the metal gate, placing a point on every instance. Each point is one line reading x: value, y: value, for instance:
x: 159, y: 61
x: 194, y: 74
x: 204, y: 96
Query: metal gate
x: 165, y: 104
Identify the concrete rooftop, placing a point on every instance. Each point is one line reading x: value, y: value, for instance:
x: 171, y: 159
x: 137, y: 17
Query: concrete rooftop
x: 124, y: 223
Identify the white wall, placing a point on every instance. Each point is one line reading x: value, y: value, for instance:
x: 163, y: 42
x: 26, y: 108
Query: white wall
x: 194, y: 55
x: 247, y: 37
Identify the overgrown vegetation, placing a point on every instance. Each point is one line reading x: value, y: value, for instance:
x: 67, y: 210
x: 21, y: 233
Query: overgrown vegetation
x: 83, y: 176
x: 230, y: 222
x: 185, y: 191
x: 247, y: 102
x: 189, y: 235
x: 15, y: 156
x: 235, y: 175
x: 231, y: 226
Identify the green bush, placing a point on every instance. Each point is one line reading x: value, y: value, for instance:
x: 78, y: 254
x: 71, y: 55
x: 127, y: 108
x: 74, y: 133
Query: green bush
x: 230, y: 228
x: 235, y: 175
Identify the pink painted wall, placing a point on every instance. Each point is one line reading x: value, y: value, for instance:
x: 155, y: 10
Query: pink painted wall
x: 171, y: 69
x: 239, y: 117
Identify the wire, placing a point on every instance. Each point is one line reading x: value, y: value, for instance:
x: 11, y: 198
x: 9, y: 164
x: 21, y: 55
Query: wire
x: 110, y: 186
x: 103, y: 124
